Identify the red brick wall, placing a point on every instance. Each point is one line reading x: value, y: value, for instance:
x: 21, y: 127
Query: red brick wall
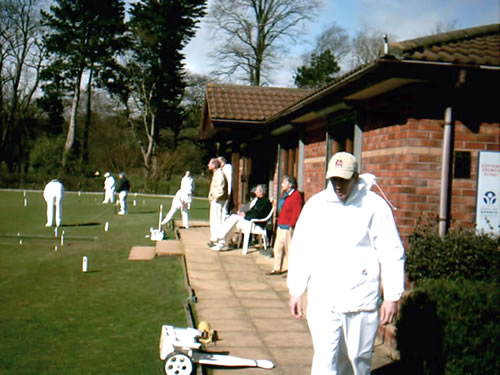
x: 406, y: 159
x: 314, y: 161
x: 407, y: 162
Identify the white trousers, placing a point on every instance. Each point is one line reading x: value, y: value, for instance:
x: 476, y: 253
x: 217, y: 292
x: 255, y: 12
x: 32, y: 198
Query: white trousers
x: 230, y: 224
x: 225, y: 210
x: 53, y: 195
x: 216, y: 217
x: 109, y: 196
x: 123, y: 201
x: 184, y: 215
x: 343, y: 343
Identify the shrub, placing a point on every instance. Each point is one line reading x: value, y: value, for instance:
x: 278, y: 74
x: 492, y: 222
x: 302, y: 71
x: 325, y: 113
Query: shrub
x: 46, y: 155
x: 450, y: 327
x: 463, y: 253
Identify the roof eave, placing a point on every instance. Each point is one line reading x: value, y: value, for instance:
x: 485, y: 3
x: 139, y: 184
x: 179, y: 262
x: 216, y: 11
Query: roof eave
x: 380, y: 70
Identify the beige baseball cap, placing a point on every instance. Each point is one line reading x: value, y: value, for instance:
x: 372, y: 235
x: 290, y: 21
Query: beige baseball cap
x: 342, y: 165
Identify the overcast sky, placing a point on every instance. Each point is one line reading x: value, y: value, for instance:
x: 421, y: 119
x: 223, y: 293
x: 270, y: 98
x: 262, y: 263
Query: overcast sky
x: 405, y: 19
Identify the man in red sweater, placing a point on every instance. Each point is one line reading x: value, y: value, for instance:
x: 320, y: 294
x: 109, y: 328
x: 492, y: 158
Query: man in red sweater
x: 289, y: 208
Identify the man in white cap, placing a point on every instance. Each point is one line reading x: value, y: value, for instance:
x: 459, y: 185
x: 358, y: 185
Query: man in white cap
x: 53, y: 195
x: 344, y: 245
x: 109, y: 188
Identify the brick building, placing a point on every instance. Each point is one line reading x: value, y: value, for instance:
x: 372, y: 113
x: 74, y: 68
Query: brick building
x: 416, y: 117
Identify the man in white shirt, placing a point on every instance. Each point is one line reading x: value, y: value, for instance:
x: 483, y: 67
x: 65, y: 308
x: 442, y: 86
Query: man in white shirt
x: 109, y: 188
x: 53, y: 194
x: 187, y: 186
x: 179, y: 202
x: 345, y: 242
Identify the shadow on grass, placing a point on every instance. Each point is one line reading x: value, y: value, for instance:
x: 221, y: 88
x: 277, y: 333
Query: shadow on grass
x: 81, y: 225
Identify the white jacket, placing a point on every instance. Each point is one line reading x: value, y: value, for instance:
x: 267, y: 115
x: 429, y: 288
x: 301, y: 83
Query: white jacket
x: 187, y: 184
x: 109, y: 183
x: 180, y: 199
x: 340, y: 251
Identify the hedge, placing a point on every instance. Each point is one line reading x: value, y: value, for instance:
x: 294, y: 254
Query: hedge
x: 463, y: 253
x: 450, y: 327
x: 449, y: 323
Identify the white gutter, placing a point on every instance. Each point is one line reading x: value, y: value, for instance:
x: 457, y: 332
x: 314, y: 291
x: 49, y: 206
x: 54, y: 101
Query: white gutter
x: 446, y: 175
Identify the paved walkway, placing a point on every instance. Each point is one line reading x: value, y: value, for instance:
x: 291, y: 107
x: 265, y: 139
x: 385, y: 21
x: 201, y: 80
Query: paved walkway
x: 248, y: 309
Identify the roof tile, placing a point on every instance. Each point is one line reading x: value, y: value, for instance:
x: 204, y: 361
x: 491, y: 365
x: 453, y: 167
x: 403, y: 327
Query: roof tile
x: 249, y: 103
x: 473, y: 46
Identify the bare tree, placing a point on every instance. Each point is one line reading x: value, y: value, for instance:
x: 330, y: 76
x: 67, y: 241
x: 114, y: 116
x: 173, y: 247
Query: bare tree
x: 367, y: 46
x: 442, y: 27
x: 21, y: 56
x: 335, y: 39
x: 255, y: 33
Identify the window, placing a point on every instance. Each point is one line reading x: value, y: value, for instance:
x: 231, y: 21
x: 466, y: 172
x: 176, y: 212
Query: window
x: 462, y: 164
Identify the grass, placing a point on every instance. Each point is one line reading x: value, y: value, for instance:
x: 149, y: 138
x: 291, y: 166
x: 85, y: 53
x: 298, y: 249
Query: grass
x: 55, y: 319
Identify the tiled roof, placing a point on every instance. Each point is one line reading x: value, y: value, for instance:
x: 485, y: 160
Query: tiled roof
x: 249, y: 103
x: 473, y: 46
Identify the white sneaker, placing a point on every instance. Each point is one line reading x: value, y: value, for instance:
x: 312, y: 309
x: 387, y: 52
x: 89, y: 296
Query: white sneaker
x: 48, y: 225
x: 218, y: 247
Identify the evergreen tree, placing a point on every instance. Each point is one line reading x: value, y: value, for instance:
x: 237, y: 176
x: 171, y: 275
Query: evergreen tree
x: 83, y: 37
x: 318, y: 72
x: 153, y: 75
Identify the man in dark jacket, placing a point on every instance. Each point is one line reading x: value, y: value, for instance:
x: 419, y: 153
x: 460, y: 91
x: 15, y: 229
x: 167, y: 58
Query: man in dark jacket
x: 241, y: 220
x: 122, y: 190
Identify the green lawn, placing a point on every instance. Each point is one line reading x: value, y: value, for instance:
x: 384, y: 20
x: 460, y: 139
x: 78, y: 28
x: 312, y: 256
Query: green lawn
x: 55, y: 319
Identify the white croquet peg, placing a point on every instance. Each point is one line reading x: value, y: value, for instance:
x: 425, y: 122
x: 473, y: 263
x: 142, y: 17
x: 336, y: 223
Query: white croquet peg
x: 135, y: 203
x: 161, y: 215
x: 20, y: 242
x: 55, y: 248
x: 106, y: 226
x: 84, y: 264
x: 55, y: 232
x: 62, y: 239
x: 25, y: 202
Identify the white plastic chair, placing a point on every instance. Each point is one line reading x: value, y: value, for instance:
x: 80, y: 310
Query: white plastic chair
x: 256, y: 229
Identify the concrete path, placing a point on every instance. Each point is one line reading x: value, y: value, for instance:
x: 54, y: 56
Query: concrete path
x: 249, y: 309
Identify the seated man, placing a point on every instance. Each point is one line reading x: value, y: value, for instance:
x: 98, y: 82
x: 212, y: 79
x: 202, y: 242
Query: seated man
x: 241, y: 220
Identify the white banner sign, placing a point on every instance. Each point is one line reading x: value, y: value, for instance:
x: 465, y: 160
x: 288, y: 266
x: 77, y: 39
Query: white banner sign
x: 488, y: 192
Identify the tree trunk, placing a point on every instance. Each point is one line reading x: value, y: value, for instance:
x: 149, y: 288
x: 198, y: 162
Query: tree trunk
x: 86, y: 129
x: 70, y: 138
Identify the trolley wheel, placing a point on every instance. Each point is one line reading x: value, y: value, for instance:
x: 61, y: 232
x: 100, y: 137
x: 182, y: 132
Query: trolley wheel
x: 178, y: 363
